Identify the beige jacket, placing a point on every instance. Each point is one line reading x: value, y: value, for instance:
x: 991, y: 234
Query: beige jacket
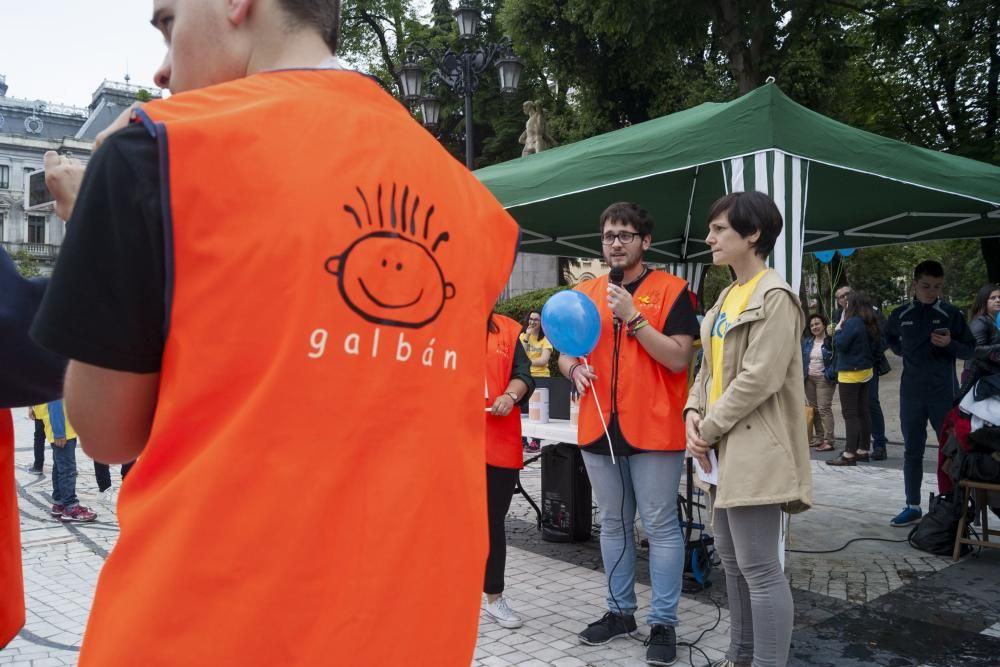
x: 758, y: 424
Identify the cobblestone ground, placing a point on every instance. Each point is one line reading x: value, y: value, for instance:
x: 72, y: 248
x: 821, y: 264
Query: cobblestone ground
x: 871, y: 603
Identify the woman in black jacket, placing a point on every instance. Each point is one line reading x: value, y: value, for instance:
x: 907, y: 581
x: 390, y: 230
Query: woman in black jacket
x: 983, y: 324
x: 858, y: 343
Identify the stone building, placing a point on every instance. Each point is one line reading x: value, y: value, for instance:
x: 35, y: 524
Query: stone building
x: 29, y: 128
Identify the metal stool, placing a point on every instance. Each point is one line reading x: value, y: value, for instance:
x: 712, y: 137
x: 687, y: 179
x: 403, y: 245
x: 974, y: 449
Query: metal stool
x: 981, y: 491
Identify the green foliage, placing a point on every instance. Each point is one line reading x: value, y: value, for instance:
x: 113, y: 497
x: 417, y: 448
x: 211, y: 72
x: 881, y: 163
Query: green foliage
x: 927, y: 73
x: 518, y: 307
x: 715, y: 279
x: 27, y: 266
x: 923, y: 71
x: 143, y: 95
x: 886, y: 272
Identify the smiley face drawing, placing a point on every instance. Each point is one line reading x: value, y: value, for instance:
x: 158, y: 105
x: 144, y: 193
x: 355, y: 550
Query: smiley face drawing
x: 386, y: 276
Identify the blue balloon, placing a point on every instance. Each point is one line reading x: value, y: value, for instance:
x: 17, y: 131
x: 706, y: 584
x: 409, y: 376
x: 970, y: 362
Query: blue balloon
x: 846, y: 252
x: 825, y: 256
x: 571, y: 322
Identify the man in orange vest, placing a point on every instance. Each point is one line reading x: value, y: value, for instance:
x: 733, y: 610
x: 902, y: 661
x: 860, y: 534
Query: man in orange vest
x: 291, y: 282
x: 638, y: 371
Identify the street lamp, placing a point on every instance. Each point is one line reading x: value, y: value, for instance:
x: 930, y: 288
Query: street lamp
x: 458, y: 71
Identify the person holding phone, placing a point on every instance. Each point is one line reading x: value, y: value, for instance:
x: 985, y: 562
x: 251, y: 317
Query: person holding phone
x: 929, y: 334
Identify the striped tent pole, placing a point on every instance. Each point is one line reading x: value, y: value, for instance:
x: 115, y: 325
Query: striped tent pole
x: 785, y: 179
x: 692, y: 272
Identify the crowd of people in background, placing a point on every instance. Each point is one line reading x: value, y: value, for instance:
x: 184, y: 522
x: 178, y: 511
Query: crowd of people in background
x: 847, y: 355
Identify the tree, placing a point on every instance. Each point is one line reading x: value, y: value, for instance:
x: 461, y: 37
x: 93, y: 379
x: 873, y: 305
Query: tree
x: 927, y: 72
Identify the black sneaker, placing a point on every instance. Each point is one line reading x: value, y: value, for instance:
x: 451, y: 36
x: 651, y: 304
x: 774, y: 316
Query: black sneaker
x: 879, y: 455
x: 662, y: 643
x: 610, y: 626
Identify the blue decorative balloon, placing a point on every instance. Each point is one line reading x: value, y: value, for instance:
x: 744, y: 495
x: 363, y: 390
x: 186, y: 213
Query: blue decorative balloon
x: 846, y: 252
x: 572, y: 323
x: 825, y: 256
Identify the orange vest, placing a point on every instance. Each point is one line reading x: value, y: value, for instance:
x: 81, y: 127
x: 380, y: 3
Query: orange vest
x: 11, y: 581
x: 503, y: 434
x: 304, y: 495
x: 648, y: 397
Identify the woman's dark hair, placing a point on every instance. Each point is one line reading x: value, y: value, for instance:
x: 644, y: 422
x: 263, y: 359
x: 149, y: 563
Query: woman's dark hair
x: 541, y: 331
x: 809, y: 320
x: 859, y: 305
x: 750, y: 212
x: 982, y: 298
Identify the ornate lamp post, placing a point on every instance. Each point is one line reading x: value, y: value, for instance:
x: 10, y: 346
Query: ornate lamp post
x: 459, y: 71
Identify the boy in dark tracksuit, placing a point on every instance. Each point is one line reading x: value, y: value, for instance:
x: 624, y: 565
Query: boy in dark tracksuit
x: 929, y: 334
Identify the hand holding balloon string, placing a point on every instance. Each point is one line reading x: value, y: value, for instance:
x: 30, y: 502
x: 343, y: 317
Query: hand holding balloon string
x: 572, y: 324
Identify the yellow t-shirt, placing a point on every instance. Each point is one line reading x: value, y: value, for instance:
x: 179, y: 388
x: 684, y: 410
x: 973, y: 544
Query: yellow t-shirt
x: 534, y: 348
x: 734, y: 305
x: 855, y: 377
x: 42, y: 412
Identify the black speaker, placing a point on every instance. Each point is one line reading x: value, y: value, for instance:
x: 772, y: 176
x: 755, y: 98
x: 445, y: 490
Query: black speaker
x: 566, y: 497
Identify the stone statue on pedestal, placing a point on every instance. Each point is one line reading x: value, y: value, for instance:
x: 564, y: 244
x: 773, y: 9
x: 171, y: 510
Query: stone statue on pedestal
x: 536, y: 136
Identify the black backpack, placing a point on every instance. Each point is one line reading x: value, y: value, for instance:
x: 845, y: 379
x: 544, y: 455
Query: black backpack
x: 935, y: 533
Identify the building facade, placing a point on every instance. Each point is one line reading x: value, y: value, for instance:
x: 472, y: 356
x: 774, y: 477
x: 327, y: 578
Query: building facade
x: 30, y: 128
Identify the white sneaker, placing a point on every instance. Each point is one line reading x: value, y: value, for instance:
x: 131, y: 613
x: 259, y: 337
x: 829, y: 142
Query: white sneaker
x: 502, y: 614
x: 108, y: 496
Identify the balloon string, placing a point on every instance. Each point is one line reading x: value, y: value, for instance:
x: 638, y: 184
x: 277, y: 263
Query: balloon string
x: 600, y: 413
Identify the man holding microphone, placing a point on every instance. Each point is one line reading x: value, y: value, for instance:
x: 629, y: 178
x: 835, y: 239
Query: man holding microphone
x: 637, y: 374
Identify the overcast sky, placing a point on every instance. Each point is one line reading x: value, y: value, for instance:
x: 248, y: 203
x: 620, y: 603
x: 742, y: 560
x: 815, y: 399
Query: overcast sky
x: 60, y: 50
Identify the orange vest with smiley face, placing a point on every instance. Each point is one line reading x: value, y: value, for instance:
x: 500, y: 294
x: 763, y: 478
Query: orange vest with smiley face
x: 647, y: 397
x: 308, y: 478
x: 503, y: 434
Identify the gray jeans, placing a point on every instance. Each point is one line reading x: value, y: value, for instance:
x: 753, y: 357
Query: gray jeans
x: 760, y: 600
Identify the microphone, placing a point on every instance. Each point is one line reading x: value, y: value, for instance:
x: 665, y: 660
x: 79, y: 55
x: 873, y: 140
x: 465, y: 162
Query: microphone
x: 616, y: 276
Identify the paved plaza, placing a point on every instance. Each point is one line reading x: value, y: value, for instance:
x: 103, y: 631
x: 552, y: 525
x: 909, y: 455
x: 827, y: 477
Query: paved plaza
x: 871, y: 603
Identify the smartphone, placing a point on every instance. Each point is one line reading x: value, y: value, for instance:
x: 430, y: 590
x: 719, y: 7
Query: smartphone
x: 943, y: 331
x: 37, y: 194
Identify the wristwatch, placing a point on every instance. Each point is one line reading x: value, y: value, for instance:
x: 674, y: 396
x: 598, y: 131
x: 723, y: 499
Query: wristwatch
x: 513, y: 396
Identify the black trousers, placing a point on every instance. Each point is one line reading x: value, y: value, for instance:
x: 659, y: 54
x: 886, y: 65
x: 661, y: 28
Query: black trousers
x: 500, y: 484
x: 103, y: 473
x: 857, y: 417
x: 39, y: 444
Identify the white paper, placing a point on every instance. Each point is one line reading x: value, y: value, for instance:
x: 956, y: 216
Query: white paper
x: 708, y: 477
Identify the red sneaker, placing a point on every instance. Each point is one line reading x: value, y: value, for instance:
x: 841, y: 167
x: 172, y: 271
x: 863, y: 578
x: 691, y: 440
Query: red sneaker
x: 57, y: 510
x: 78, y: 513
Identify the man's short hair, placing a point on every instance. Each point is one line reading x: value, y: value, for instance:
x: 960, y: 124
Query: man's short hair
x: 928, y: 268
x: 323, y: 15
x: 751, y: 212
x: 842, y: 287
x: 629, y: 213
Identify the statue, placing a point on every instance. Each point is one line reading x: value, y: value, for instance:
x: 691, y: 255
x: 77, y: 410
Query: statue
x: 536, y: 136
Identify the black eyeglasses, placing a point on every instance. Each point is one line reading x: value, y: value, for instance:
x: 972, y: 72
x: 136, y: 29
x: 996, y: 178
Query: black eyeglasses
x: 624, y: 237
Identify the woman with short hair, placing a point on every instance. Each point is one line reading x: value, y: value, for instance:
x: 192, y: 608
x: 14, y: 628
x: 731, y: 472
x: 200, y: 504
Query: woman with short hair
x: 746, y: 404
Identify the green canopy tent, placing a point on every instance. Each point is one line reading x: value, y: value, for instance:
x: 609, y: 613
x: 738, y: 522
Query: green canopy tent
x: 836, y: 186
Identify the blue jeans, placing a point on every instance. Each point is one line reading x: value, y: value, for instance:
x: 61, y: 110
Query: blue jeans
x: 914, y: 412
x: 647, y: 482
x: 64, y: 474
x: 879, y: 440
